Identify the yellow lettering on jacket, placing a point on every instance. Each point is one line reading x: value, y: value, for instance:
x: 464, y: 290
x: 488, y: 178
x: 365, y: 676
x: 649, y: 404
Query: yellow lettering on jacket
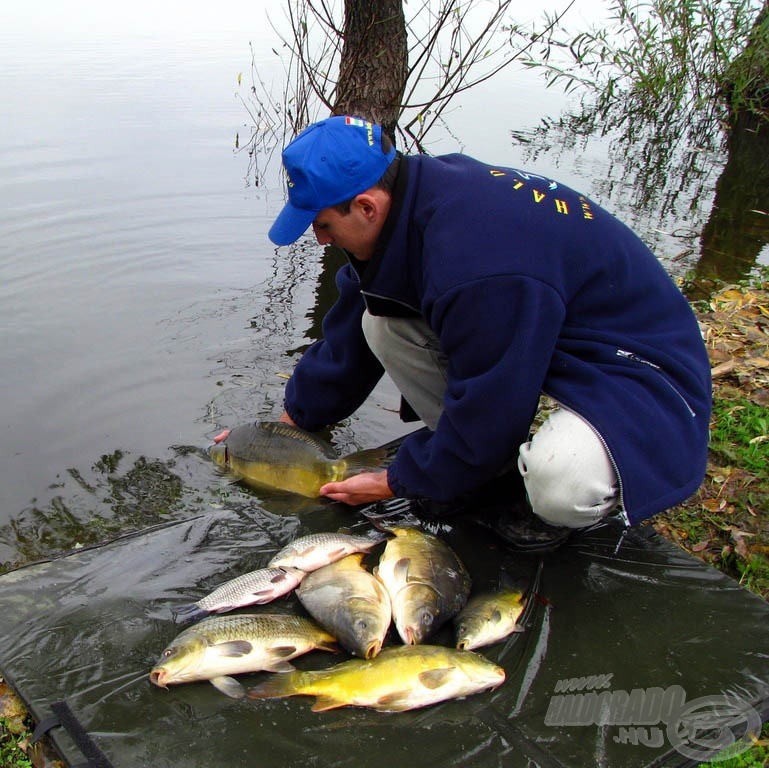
x: 562, y: 207
x: 539, y: 196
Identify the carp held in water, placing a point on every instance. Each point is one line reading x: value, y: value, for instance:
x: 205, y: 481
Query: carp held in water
x: 426, y: 581
x: 400, y: 678
x: 280, y: 456
x: 221, y: 646
x: 344, y: 598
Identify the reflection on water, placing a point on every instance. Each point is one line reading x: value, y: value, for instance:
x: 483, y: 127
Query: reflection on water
x: 736, y: 235
x: 660, y: 178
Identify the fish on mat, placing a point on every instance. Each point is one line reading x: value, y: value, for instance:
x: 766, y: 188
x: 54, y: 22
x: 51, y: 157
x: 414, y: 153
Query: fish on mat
x: 271, y: 454
x: 254, y: 588
x: 400, y: 678
x: 221, y: 646
x: 308, y: 553
x: 427, y: 583
x: 488, y: 618
x: 344, y: 598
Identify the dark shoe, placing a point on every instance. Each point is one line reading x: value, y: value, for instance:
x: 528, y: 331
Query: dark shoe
x: 521, y: 529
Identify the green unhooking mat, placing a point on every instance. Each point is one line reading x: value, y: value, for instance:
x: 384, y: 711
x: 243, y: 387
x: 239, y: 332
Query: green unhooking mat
x: 633, y: 654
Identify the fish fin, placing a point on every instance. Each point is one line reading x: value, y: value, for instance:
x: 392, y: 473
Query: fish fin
x: 519, y: 628
x: 435, y: 678
x: 363, y: 461
x: 186, y: 614
x: 229, y: 686
x: 327, y: 645
x: 276, y: 687
x: 401, y: 568
x: 282, y: 651
x: 281, y: 666
x: 234, y: 648
x: 278, y: 658
x: 397, y: 701
x: 323, y: 703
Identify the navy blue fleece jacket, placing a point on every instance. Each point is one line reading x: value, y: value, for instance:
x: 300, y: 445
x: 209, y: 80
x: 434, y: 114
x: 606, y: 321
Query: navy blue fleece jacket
x: 530, y: 287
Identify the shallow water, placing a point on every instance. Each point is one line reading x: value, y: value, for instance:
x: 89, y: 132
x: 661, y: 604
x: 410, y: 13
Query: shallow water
x: 141, y: 304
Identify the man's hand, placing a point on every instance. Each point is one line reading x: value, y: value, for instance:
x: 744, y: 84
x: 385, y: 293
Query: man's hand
x: 359, y: 489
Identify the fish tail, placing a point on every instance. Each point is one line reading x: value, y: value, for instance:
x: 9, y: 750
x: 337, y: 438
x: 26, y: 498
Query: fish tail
x: 186, y: 614
x: 274, y: 687
x: 362, y: 461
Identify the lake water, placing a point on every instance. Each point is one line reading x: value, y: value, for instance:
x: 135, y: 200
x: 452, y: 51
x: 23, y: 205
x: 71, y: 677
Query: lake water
x: 142, y: 306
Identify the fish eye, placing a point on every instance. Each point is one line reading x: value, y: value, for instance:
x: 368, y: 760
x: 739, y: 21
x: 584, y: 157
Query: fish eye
x: 361, y: 624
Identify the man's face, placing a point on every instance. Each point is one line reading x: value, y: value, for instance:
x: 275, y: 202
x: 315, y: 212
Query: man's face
x: 353, y: 231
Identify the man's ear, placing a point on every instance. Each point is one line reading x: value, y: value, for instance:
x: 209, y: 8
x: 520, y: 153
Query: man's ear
x: 373, y: 204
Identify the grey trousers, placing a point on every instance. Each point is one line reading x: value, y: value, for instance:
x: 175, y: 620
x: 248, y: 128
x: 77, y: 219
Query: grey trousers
x: 568, y: 474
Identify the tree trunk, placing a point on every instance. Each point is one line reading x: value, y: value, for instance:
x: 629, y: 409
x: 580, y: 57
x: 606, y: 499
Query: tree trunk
x: 374, y: 62
x: 746, y: 83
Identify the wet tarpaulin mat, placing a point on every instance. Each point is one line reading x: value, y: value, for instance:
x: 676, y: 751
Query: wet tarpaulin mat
x: 633, y: 654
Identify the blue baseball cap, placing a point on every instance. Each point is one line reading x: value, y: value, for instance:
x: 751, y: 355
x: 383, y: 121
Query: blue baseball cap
x: 328, y: 163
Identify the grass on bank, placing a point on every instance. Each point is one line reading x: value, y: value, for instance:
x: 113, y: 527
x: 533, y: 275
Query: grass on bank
x: 726, y: 523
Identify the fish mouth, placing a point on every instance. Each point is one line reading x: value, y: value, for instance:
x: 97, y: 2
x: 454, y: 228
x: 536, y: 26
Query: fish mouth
x: 158, y: 677
x: 373, y: 648
x: 412, y: 636
x: 462, y: 645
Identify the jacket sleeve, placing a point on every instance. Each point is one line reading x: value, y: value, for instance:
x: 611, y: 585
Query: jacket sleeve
x: 336, y: 374
x: 499, y: 334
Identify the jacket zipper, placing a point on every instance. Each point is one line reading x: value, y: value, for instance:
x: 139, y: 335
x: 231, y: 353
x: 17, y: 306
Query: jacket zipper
x: 638, y: 359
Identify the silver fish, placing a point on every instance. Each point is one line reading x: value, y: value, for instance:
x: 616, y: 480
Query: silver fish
x: 254, y: 588
x: 308, y: 553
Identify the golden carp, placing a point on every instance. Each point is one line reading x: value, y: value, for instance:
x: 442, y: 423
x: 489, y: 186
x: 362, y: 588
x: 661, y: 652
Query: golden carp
x: 350, y: 603
x: 488, y: 618
x: 274, y: 455
x: 308, y: 553
x: 221, y: 646
x: 400, y: 678
x: 426, y: 581
x: 254, y: 588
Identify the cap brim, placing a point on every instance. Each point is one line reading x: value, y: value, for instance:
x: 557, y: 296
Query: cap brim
x: 290, y: 225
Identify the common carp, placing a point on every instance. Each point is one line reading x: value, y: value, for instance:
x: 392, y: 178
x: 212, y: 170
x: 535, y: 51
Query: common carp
x: 349, y: 602
x: 400, y: 678
x: 488, y: 618
x: 221, y: 646
x: 254, y: 588
x: 280, y: 456
x: 426, y: 581
x: 308, y: 553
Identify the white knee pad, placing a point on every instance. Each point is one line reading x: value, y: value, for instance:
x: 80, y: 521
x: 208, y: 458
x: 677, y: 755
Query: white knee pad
x: 569, y: 477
